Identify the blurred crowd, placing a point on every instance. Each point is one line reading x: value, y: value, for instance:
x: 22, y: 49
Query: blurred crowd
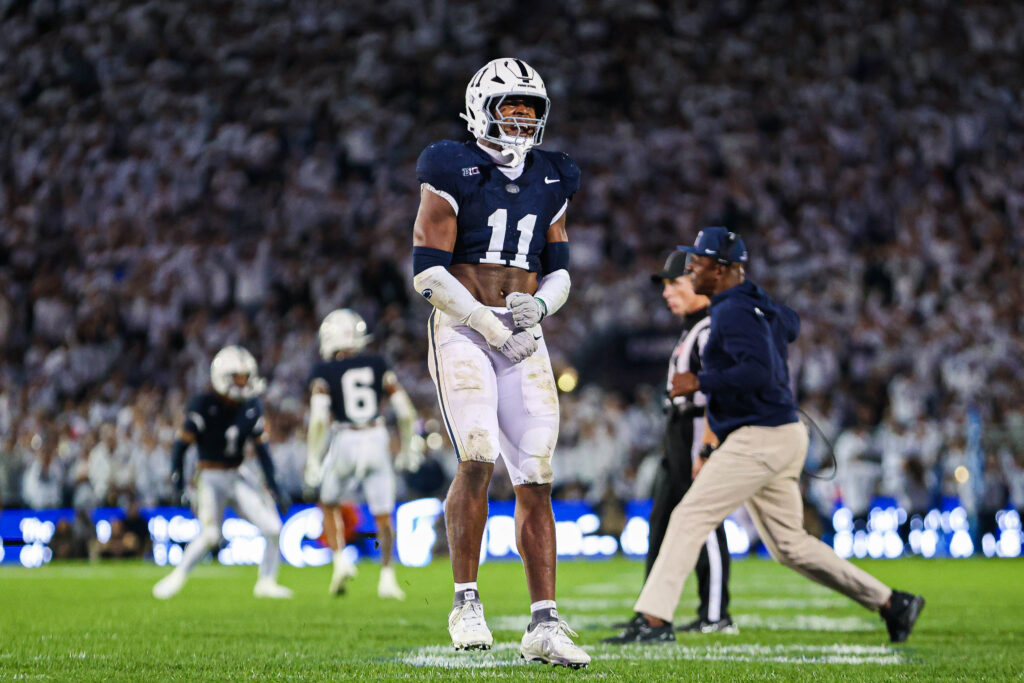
x: 175, y: 177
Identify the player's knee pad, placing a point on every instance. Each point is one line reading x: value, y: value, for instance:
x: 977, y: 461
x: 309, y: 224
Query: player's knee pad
x: 533, y: 462
x: 479, y: 445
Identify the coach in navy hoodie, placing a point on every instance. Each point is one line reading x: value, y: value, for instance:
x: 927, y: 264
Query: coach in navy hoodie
x: 746, y: 372
x: 761, y: 453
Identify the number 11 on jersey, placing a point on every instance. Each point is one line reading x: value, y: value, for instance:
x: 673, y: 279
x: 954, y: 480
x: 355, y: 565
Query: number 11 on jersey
x: 498, y: 223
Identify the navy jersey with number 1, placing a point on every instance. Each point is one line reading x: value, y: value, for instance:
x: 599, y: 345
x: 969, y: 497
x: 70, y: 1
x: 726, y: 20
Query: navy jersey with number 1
x: 221, y: 427
x: 500, y: 221
x: 356, y: 386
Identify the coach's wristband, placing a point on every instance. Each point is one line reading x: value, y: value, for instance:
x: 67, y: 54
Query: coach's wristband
x: 706, y: 451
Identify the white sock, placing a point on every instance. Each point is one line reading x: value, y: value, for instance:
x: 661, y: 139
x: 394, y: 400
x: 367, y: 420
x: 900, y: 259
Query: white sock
x: 271, y: 560
x: 464, y: 586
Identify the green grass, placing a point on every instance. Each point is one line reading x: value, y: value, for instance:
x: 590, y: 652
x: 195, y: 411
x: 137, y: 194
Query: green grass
x: 91, y: 622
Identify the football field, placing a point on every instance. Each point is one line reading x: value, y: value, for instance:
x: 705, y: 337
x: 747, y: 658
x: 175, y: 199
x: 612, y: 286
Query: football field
x: 92, y: 622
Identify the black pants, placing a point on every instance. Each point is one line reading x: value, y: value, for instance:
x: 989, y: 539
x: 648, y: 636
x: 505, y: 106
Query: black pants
x: 673, y: 481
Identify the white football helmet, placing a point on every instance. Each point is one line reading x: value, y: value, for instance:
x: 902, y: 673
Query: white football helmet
x: 498, y: 80
x: 342, y: 330
x: 229, y: 362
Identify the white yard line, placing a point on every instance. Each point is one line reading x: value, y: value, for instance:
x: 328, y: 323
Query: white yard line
x: 507, y: 654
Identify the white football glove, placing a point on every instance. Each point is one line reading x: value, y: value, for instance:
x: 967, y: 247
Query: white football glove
x: 519, y: 346
x: 527, y: 310
x: 410, y: 457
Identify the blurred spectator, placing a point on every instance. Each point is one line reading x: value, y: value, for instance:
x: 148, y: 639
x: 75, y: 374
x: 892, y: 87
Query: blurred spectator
x: 42, y: 486
x: 75, y: 539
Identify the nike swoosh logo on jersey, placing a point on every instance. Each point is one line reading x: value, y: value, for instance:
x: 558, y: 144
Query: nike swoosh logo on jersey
x: 548, y: 181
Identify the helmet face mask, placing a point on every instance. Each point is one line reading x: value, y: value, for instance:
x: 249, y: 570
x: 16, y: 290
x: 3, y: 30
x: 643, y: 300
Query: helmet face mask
x: 229, y: 367
x: 501, y: 82
x: 342, y: 330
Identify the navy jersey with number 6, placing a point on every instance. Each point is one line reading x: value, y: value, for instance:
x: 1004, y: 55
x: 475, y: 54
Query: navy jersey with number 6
x: 500, y: 221
x: 356, y: 386
x: 221, y: 428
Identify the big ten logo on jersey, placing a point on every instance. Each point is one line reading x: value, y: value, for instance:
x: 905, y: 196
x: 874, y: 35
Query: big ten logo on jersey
x: 472, y: 170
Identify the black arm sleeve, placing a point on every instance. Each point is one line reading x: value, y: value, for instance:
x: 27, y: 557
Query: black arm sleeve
x: 267, y: 465
x: 178, y: 464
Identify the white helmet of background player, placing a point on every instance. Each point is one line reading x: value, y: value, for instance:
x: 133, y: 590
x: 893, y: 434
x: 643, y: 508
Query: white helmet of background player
x: 342, y: 330
x: 230, y: 363
x: 497, y: 81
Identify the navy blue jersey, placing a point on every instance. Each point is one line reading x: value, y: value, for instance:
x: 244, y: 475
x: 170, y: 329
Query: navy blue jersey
x: 221, y: 428
x: 500, y: 221
x: 356, y: 385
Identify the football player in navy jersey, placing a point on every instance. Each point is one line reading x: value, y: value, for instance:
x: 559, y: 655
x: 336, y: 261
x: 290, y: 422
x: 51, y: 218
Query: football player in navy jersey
x: 219, y: 423
x: 491, y: 254
x: 347, y: 443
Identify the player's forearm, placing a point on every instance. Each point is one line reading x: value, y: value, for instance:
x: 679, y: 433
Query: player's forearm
x: 178, y: 463
x: 316, y: 433
x: 405, y: 414
x: 445, y: 293
x: 266, y: 464
x: 553, y: 291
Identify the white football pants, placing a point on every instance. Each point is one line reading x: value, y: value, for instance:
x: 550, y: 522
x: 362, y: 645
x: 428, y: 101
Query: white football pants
x: 492, y: 406
x: 216, y: 490
x: 359, y: 457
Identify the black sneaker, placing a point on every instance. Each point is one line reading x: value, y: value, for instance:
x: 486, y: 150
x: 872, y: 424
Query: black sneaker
x: 903, y: 611
x: 724, y: 625
x: 639, y: 631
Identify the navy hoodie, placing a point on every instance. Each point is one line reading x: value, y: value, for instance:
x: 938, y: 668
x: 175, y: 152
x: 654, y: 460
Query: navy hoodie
x: 746, y: 367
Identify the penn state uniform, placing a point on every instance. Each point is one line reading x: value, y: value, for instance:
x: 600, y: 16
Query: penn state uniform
x: 219, y: 423
x: 358, y: 448
x: 221, y: 430
x: 489, y: 404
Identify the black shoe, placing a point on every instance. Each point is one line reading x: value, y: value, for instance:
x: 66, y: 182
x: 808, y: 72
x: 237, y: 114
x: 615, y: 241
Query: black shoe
x: 903, y: 611
x: 639, y: 631
x: 724, y: 625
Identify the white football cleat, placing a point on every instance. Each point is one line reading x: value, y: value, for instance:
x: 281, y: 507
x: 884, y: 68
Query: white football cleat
x: 467, y: 627
x: 387, y: 586
x: 343, y: 571
x: 269, y: 588
x: 551, y: 642
x: 169, y: 586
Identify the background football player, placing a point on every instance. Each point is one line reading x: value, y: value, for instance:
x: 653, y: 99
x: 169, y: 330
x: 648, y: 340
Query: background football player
x: 347, y: 442
x: 219, y: 423
x: 491, y: 254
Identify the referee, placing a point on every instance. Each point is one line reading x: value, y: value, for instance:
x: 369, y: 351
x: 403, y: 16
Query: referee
x: 683, y: 441
x: 763, y: 448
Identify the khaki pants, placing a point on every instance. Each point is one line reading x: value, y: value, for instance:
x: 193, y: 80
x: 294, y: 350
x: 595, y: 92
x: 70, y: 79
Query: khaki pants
x: 759, y: 466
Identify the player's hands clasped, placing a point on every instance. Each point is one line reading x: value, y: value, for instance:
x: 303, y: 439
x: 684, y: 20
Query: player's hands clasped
x: 519, y: 346
x: 527, y: 310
